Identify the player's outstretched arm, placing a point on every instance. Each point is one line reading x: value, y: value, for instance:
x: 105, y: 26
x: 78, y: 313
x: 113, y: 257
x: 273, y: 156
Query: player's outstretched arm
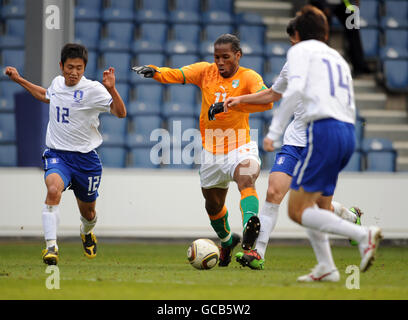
x: 118, y: 107
x: 37, y: 92
x: 262, y: 97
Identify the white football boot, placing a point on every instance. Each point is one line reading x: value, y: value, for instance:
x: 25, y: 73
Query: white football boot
x: 369, y: 246
x: 321, y: 272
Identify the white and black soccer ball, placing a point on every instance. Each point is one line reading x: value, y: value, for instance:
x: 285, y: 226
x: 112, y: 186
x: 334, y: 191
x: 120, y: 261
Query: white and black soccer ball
x: 203, y: 254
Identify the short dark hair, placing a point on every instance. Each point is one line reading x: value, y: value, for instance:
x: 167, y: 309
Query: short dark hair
x: 311, y: 23
x: 290, y: 29
x: 229, y: 38
x: 72, y: 51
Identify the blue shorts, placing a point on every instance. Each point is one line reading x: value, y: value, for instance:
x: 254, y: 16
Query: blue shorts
x: 80, y: 172
x: 330, y: 144
x: 286, y: 159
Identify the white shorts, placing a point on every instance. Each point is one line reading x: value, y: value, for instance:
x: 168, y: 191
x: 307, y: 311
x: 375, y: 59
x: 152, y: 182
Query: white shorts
x: 217, y: 171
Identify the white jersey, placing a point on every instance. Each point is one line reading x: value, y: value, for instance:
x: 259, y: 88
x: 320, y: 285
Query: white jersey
x: 295, y: 134
x: 320, y: 77
x: 74, y: 111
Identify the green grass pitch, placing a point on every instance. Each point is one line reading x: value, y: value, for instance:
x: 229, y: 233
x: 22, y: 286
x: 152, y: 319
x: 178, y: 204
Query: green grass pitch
x: 158, y: 271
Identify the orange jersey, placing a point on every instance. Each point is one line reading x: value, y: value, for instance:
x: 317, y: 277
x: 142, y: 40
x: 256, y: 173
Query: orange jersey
x: 229, y: 130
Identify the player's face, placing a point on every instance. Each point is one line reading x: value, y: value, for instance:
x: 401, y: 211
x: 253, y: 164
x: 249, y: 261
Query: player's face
x: 72, y: 71
x: 227, y: 61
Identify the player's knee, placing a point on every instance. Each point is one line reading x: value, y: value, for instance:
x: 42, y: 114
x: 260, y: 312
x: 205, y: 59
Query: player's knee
x: 54, y: 193
x: 274, y: 195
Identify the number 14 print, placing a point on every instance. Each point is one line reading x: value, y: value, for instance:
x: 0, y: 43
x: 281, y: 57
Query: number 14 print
x: 341, y: 83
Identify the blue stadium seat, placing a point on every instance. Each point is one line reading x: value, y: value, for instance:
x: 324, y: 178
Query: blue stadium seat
x: 152, y: 37
x: 143, y: 157
x: 120, y: 61
x: 112, y: 157
x: 88, y: 33
x: 7, y: 91
x: 396, y: 38
x: 393, y: 53
x: 188, y: 5
x: 87, y: 10
x: 150, y: 16
x: 180, y: 47
x: 91, y: 65
x: 182, y: 101
x: 187, y: 32
x: 369, y: 13
x: 252, y: 48
x: 122, y: 4
x: 14, y: 58
x: 277, y: 48
x: 13, y: 9
x: 380, y: 154
x: 182, y: 93
x: 119, y: 36
x: 181, y: 123
x: 217, y: 17
x: 7, y: 128
x: 92, y: 4
x: 394, y: 23
x: 146, y: 124
x: 212, y: 32
x: 13, y: 37
x: 157, y: 5
x: 370, y: 41
x: 113, y: 130
x: 396, y: 74
x: 224, y: 6
x: 276, y: 64
x: 183, y: 16
x: 181, y: 109
x: 124, y: 91
x: 396, y: 9
x: 249, y: 18
x: 354, y: 164
x: 148, y: 100
x: 156, y: 59
x: 377, y: 144
x: 181, y: 60
x: 255, y: 63
x: 252, y: 34
x: 113, y: 14
x: 8, y: 155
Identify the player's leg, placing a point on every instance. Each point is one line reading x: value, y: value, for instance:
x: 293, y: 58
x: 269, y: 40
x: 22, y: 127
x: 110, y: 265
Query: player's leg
x: 245, y: 175
x: 88, y: 221
x: 218, y: 214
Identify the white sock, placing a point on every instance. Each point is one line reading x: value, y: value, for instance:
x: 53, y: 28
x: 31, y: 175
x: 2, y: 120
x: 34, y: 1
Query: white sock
x: 50, y: 221
x: 268, y: 218
x: 343, y: 212
x: 321, y: 247
x: 326, y: 221
x: 88, y: 226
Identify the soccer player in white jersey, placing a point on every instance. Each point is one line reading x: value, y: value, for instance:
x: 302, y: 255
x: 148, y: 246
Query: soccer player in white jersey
x: 70, y: 160
x: 320, y: 79
x: 280, y: 176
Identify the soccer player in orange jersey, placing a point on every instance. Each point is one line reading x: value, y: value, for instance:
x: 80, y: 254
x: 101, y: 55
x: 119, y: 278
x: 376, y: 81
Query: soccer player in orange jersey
x: 228, y: 152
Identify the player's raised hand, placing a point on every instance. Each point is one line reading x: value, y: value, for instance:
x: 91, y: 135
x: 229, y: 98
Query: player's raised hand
x: 268, y: 144
x: 12, y: 73
x: 108, y: 79
x: 231, y: 102
x: 145, y: 71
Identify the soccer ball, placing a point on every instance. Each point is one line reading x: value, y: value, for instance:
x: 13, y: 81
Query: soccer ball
x: 203, y: 254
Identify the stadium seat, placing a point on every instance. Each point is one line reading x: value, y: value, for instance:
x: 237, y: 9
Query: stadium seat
x: 212, y: 32
x: 113, y: 14
x: 223, y: 6
x: 112, y: 157
x: 150, y: 16
x: 7, y: 128
x: 93, y: 4
x: 13, y: 57
x: 394, y: 23
x: 122, y: 4
x: 181, y: 109
x: 186, y: 11
x: 87, y: 13
x: 181, y: 60
x: 13, y: 37
x: 396, y: 75
x: 182, y: 101
x: 396, y: 9
x: 393, y: 53
x: 91, y: 65
x: 7, y: 91
x: 182, y: 93
x: 252, y: 34
x: 13, y: 9
x: 145, y: 124
x: 248, y: 18
x: 187, y: 32
x: 255, y: 63
x: 179, y: 124
x: 257, y: 129
x: 277, y: 48
x: 8, y: 155
x: 396, y: 38
x: 113, y: 130
x: 124, y: 91
x: 119, y: 35
x: 370, y: 41
x: 151, y: 39
x: 377, y: 144
x: 369, y: 13
x: 354, y: 164
x: 120, y: 61
x: 188, y: 5
x: 384, y: 161
x: 249, y: 49
x: 180, y: 47
x: 88, y: 33
x: 217, y: 17
x: 143, y: 157
x: 148, y: 100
